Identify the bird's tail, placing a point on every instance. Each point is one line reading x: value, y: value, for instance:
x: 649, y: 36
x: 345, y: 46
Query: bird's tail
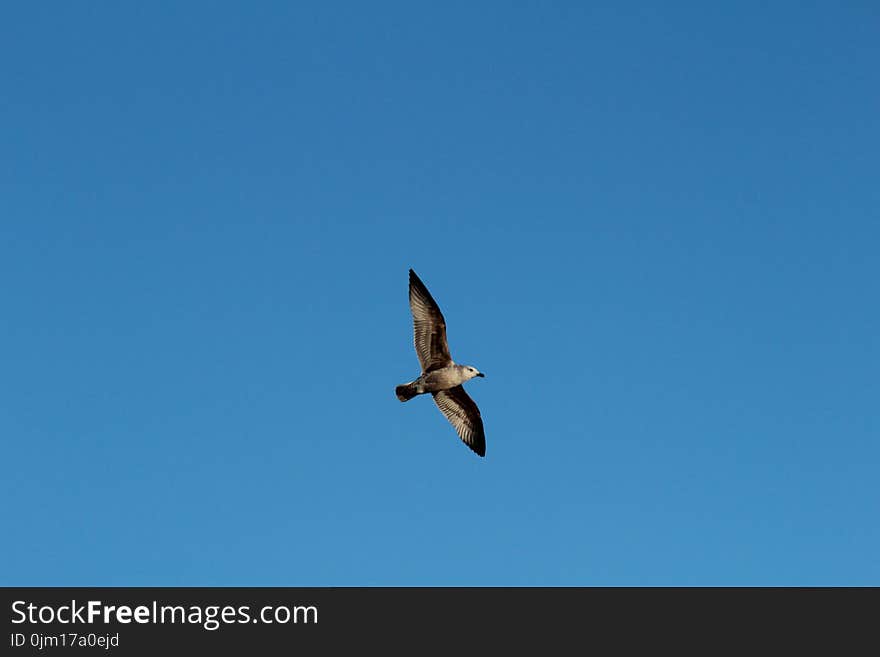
x: 406, y: 392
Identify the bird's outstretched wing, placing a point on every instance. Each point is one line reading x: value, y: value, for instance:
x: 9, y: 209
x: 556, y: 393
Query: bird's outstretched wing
x: 429, y: 327
x: 463, y: 414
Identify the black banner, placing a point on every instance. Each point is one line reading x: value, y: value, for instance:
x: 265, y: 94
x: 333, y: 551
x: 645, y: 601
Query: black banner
x: 126, y: 621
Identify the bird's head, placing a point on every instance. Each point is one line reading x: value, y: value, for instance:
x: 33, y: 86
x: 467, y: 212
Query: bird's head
x: 472, y: 372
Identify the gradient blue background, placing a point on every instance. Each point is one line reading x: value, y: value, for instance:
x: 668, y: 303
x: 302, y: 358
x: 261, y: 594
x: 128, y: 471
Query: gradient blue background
x: 656, y: 229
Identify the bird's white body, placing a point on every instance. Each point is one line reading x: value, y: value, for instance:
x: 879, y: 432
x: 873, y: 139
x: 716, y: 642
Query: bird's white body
x: 444, y: 378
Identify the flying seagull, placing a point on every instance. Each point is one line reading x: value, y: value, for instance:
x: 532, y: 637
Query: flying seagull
x: 441, y: 376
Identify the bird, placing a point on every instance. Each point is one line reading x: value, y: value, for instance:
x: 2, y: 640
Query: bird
x: 441, y: 376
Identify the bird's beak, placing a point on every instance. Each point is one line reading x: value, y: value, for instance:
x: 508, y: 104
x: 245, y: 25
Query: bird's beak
x: 480, y: 374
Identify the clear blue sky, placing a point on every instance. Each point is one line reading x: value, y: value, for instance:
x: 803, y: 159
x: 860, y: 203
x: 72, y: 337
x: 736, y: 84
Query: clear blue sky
x: 656, y: 229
